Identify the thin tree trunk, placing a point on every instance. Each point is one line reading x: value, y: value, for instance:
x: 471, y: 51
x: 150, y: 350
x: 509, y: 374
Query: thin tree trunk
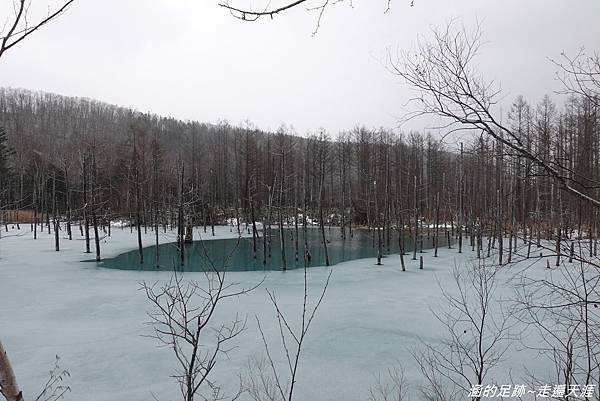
x: 416, y: 215
x: 437, y: 223
x: 401, y: 242
x: 68, y: 196
x: 54, y: 218
x: 459, y: 221
x: 85, y: 206
x: 321, y: 219
x: 254, y: 232
x: 94, y: 213
x: 180, y: 219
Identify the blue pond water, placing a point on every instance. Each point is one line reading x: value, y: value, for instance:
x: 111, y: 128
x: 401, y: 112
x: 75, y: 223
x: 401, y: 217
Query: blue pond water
x: 238, y: 255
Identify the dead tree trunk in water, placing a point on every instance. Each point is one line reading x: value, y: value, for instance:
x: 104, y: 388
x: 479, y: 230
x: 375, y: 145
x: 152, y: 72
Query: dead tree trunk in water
x: 93, y: 206
x: 54, y: 217
x: 401, y: 241
x: 282, y: 241
x: 86, y: 218
x: 558, y: 241
x: 264, y: 232
x: 459, y: 221
x: 254, y: 232
x: 307, y: 254
x: 156, y: 242
x: 416, y: 212
x: 267, y: 226
x: 321, y: 217
x: 281, y: 207
x: 296, y: 225
x: 500, y: 205
x: 136, y: 182
x: 35, y: 207
x: 437, y: 223
x: 45, y: 202
x: 68, y: 197
x: 180, y: 218
x: 155, y: 198
x: 343, y: 187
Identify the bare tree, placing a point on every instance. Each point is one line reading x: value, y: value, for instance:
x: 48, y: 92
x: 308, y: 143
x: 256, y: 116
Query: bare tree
x: 392, y: 387
x: 561, y: 306
x: 55, y: 387
x: 182, y: 317
x: 477, y: 335
x: 580, y: 74
x: 265, y: 380
x: 259, y: 383
x: 20, y: 25
x: 446, y: 83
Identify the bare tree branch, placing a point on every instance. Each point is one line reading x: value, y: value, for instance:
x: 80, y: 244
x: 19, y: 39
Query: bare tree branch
x: 182, y: 318
x: 442, y: 74
x: 580, y: 75
x: 265, y: 381
x: 248, y: 14
x: 20, y: 27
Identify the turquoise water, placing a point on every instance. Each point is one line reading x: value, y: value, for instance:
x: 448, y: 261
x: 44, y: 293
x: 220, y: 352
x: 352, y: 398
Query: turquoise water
x: 237, y: 254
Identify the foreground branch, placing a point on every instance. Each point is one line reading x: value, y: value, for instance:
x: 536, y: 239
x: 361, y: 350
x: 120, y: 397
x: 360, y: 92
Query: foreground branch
x: 20, y: 27
x: 248, y: 14
x: 442, y: 75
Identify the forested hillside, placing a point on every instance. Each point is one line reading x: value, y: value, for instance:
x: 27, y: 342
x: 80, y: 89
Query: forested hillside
x: 89, y: 162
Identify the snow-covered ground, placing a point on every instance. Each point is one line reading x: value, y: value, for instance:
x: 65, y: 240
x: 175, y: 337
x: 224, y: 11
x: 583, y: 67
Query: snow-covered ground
x: 51, y: 304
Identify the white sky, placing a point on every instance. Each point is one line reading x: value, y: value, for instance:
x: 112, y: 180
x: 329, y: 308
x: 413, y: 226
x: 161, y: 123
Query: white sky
x: 192, y: 60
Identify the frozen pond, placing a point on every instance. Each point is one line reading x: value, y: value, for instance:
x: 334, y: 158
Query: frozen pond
x: 371, y: 319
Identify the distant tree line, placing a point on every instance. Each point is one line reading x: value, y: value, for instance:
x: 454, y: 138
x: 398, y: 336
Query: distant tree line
x: 75, y: 164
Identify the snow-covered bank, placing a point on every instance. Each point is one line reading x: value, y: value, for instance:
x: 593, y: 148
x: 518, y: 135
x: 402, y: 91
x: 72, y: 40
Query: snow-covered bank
x: 51, y: 303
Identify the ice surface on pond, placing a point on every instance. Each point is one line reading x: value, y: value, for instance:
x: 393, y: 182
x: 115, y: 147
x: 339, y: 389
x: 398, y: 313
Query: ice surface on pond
x: 94, y: 318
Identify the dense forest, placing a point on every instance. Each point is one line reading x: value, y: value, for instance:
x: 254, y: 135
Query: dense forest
x: 73, y: 162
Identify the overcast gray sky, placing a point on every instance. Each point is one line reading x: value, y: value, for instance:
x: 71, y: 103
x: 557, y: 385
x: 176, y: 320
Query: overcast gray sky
x: 191, y: 60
